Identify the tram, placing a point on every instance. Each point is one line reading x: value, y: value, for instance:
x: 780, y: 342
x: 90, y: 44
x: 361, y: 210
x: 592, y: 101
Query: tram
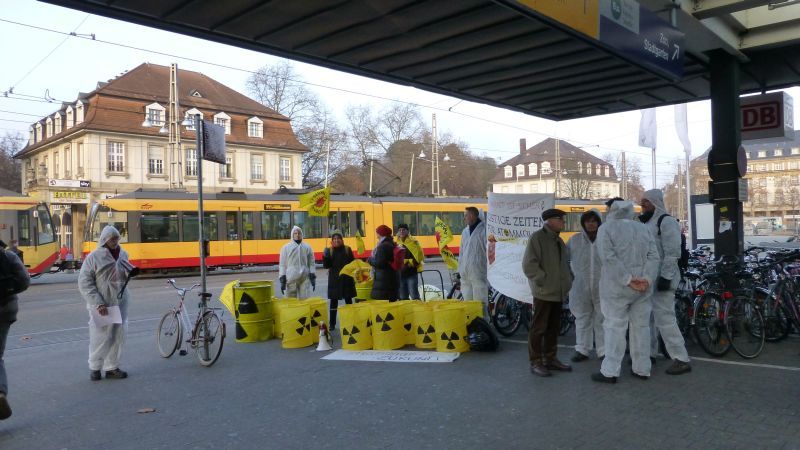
x: 27, y: 221
x: 160, y: 232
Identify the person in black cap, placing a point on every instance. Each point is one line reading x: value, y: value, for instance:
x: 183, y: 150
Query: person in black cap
x: 546, y: 264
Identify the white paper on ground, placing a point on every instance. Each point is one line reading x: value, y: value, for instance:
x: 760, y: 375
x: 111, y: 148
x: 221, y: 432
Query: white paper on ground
x: 113, y: 316
x: 392, y: 356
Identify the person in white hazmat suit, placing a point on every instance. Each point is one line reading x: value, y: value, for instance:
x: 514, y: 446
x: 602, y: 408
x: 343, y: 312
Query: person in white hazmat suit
x: 629, y: 267
x: 296, y: 270
x: 472, y: 259
x: 102, y: 283
x: 584, y: 297
x: 667, y: 233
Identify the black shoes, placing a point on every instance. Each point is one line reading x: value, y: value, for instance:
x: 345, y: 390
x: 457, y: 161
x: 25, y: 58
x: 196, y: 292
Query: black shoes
x: 555, y: 364
x: 641, y: 377
x: 116, y: 374
x: 540, y: 370
x: 95, y: 375
x: 5, y: 408
x: 578, y: 357
x: 600, y: 378
x: 678, y: 368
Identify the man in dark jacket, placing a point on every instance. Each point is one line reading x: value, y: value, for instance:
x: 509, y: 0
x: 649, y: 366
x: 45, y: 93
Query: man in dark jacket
x: 12, y: 272
x: 334, y: 258
x: 386, y: 280
x: 546, y: 264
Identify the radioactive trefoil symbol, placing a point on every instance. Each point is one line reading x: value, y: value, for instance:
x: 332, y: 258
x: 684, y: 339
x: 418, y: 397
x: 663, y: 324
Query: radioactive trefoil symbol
x: 384, y: 320
x: 351, y: 338
x: 303, y: 325
x: 314, y: 317
x: 426, y: 339
x: 247, y: 305
x: 452, y: 337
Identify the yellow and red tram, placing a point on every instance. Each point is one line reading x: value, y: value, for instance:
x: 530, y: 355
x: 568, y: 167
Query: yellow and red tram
x: 27, y: 221
x: 160, y: 231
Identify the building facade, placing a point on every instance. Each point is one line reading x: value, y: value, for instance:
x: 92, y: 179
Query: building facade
x: 583, y: 176
x: 114, y: 140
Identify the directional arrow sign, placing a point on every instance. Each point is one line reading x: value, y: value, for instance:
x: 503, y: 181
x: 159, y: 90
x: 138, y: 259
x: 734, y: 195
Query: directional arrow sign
x: 639, y: 35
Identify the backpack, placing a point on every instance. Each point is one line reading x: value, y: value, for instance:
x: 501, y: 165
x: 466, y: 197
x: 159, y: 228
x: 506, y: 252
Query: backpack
x: 683, y: 261
x: 9, y: 284
x: 398, y: 256
x: 481, y: 337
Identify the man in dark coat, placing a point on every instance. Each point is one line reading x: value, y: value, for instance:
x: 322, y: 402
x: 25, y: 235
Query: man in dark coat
x: 386, y: 280
x: 12, y: 272
x: 334, y: 258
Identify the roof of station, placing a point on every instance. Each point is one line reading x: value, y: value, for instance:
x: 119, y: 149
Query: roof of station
x: 497, y: 52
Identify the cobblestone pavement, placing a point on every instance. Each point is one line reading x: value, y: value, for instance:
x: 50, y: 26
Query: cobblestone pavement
x: 262, y: 396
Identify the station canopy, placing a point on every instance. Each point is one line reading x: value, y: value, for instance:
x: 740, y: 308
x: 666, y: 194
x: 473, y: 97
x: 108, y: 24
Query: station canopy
x: 540, y: 57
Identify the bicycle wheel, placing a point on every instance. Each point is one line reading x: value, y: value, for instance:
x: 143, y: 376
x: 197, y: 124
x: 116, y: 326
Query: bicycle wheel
x: 169, y: 334
x: 709, y: 329
x: 683, y: 315
x: 567, y: 319
x: 507, y: 315
x: 209, y: 335
x: 745, y: 327
x: 776, y: 323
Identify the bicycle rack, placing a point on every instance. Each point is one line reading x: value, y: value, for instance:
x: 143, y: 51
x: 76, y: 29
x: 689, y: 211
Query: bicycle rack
x: 422, y: 279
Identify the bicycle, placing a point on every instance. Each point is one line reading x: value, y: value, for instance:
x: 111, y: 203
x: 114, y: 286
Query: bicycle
x: 208, y: 332
x: 509, y: 314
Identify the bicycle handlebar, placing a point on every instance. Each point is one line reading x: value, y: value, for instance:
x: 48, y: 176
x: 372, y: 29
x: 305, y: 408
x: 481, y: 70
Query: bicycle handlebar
x: 171, y: 281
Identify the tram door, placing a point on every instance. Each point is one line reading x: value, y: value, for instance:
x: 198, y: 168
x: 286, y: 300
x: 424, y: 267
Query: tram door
x: 239, y: 244
x: 349, y: 221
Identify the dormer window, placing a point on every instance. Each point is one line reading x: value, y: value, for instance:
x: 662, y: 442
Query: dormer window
x: 607, y: 170
x: 533, y: 169
x: 70, y: 118
x: 32, y: 136
x: 778, y: 152
x: 588, y: 168
x: 762, y: 154
x: 255, y: 127
x: 190, y: 115
x: 155, y: 114
x: 598, y: 170
x: 49, y: 123
x: 580, y: 166
x: 520, y: 170
x: 224, y: 121
x: 57, y: 123
x: 38, y: 132
x: 508, y: 171
x: 546, y: 168
x: 78, y: 112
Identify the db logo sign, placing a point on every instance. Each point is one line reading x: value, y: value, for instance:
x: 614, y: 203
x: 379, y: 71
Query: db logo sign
x: 762, y: 116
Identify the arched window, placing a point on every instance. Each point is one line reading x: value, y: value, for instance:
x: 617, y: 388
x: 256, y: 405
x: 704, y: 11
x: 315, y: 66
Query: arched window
x: 508, y: 171
x: 589, y: 168
x: 546, y: 168
x: 580, y: 167
x: 607, y: 170
x: 598, y: 170
x: 533, y: 169
x: 520, y: 170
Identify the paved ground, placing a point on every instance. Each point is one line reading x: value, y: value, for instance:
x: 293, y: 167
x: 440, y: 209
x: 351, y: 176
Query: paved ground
x: 261, y: 396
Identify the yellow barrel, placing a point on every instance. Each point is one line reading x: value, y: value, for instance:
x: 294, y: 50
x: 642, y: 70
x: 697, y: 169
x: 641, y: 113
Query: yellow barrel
x: 423, y: 326
x: 473, y: 308
x: 451, y: 328
x: 407, y: 313
x: 319, y: 313
x: 363, y: 293
x: 296, y: 326
x: 355, y: 326
x: 278, y: 305
x: 263, y: 284
x: 387, y: 326
x: 254, y: 317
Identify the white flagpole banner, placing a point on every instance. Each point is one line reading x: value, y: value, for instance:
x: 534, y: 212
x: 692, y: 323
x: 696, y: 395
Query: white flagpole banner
x: 682, y: 127
x: 512, y: 218
x: 647, y: 128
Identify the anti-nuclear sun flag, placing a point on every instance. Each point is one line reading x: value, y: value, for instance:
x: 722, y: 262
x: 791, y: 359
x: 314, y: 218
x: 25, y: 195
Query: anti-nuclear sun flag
x: 443, y: 233
x: 449, y: 258
x: 318, y: 202
x: 359, y: 243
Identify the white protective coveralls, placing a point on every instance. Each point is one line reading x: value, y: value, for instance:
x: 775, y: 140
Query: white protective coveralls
x: 584, y: 297
x: 297, y: 263
x: 100, y: 280
x: 626, y: 250
x: 669, y: 251
x: 472, y: 264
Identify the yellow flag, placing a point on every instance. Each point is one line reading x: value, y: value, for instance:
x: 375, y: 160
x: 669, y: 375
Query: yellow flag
x: 359, y: 243
x: 317, y: 202
x: 443, y: 233
x: 449, y: 258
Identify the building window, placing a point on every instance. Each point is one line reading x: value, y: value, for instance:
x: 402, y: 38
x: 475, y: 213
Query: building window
x: 792, y: 165
x: 796, y: 150
x: 70, y: 118
x: 155, y: 114
x: 46, y: 171
x: 588, y: 168
x: 508, y: 171
x: 56, y: 168
x: 38, y: 132
x: 224, y: 121
x: 255, y: 128
x: 533, y: 169
x: 777, y: 166
x: 191, y: 162
x: 257, y: 167
x: 607, y: 171
x: 155, y: 160
x: 67, y: 162
x: 286, y: 169
x: 57, y: 122
x: 778, y: 152
x: 79, y: 157
x: 546, y: 168
x: 78, y: 113
x: 598, y: 170
x: 580, y: 166
x: 534, y: 188
x: 520, y: 170
x: 762, y: 154
x: 49, y: 127
x: 518, y: 188
x: 190, y: 115
x: 116, y: 156
x: 226, y: 170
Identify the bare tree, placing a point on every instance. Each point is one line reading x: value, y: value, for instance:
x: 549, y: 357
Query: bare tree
x: 401, y: 121
x: 10, y: 168
x: 361, y: 125
x: 633, y: 174
x: 328, y: 146
x: 280, y: 88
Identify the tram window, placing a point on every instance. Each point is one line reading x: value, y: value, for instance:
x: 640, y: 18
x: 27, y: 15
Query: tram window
x: 312, y: 226
x: 24, y: 227
x: 190, y: 227
x: 159, y: 227
x: 332, y: 225
x: 573, y: 222
x: 455, y: 220
x: 346, y: 227
x: 248, y: 225
x: 116, y: 219
x: 231, y: 226
x: 427, y: 223
x: 44, y: 226
x: 275, y: 225
x: 360, y: 223
x: 407, y: 217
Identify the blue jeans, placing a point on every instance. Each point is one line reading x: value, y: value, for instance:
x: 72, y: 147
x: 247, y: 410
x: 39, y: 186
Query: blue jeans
x: 409, y: 287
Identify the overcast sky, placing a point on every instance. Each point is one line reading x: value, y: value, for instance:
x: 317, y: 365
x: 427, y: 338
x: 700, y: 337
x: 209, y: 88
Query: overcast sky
x: 39, y: 62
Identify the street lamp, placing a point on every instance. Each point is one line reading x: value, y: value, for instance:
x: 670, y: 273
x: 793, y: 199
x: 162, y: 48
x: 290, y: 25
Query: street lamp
x: 435, y: 187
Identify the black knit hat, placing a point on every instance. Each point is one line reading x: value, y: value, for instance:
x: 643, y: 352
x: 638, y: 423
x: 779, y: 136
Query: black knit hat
x: 552, y: 212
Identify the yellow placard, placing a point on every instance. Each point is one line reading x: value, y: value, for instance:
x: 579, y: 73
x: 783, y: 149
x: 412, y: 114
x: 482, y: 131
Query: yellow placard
x: 580, y: 15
